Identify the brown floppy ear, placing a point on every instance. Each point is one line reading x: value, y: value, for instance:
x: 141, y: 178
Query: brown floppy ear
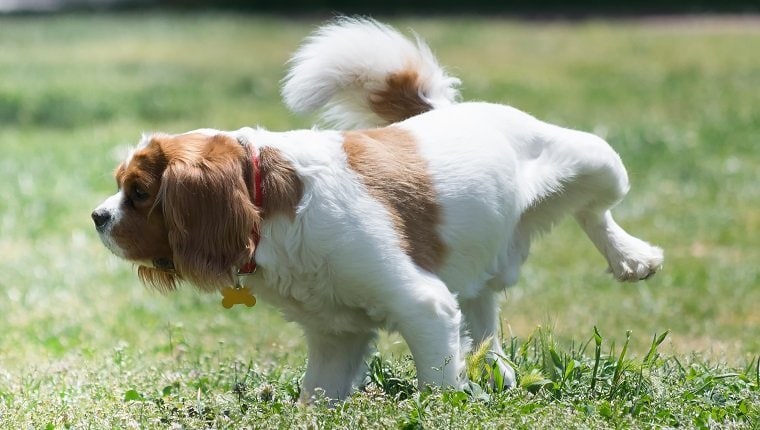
x: 209, y: 216
x: 161, y: 280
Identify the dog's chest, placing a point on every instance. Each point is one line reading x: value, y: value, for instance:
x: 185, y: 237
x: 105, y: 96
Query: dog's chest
x: 310, y: 300
x: 306, y: 260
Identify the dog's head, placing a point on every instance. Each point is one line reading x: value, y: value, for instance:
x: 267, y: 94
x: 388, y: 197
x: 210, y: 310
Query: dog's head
x: 182, y: 210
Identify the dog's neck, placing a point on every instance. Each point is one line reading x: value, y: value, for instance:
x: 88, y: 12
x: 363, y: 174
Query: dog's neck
x: 256, y: 191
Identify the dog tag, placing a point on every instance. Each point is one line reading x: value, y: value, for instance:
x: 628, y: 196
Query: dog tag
x: 232, y: 296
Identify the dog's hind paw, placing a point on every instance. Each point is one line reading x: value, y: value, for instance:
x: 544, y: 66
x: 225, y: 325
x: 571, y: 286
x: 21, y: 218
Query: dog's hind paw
x: 506, y: 378
x: 635, y: 260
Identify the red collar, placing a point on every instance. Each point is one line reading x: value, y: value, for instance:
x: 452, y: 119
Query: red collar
x: 257, y: 196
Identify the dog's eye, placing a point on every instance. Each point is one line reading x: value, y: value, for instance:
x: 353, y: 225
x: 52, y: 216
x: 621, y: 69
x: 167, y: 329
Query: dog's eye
x: 139, y: 194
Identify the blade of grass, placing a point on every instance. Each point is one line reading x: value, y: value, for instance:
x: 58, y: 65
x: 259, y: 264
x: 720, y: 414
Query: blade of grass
x: 597, y: 357
x: 619, y: 366
x: 656, y: 341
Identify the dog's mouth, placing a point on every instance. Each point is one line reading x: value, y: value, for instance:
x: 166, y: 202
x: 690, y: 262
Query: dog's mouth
x: 164, y: 264
x: 110, y: 244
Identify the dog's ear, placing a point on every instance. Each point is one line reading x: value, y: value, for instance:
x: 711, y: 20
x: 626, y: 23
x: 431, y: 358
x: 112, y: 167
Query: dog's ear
x: 161, y: 280
x: 208, y: 214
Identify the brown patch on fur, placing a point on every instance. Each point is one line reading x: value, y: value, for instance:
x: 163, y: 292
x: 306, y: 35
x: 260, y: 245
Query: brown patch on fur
x: 401, y: 98
x: 281, y: 185
x: 395, y: 174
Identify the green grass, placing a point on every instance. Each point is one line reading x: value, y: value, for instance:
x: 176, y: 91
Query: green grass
x: 83, y: 345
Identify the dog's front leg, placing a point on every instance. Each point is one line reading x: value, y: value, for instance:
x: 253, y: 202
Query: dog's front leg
x: 334, y: 362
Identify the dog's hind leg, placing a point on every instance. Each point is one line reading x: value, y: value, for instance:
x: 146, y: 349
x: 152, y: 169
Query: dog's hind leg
x: 480, y: 314
x: 581, y: 174
x: 427, y: 316
x: 602, y: 178
x: 629, y: 258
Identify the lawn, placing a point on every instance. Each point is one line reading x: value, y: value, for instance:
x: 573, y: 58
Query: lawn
x: 84, y: 345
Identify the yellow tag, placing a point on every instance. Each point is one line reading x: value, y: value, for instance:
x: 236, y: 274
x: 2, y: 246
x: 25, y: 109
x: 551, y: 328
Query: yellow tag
x: 232, y: 296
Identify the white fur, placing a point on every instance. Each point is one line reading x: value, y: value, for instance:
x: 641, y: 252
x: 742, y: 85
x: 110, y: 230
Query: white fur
x: 341, y: 64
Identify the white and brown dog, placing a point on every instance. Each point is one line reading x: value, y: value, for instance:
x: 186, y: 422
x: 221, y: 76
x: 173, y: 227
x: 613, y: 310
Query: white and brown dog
x: 414, y: 226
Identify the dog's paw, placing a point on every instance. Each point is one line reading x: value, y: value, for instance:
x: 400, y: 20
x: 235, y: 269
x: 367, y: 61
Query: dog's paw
x: 507, y: 373
x: 634, y: 260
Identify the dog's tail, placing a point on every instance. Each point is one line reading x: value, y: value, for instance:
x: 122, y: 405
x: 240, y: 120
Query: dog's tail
x: 361, y: 73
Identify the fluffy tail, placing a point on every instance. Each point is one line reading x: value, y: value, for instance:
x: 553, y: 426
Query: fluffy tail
x: 361, y: 73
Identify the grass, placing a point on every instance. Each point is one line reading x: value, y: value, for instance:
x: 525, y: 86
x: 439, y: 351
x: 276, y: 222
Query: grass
x: 83, y: 345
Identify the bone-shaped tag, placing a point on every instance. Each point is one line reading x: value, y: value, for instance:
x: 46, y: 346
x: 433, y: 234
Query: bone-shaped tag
x: 237, y: 296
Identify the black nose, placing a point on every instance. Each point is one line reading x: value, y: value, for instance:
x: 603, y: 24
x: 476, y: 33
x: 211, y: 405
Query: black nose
x: 101, y: 218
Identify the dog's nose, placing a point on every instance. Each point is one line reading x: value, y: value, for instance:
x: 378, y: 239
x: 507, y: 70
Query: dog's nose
x: 101, y: 218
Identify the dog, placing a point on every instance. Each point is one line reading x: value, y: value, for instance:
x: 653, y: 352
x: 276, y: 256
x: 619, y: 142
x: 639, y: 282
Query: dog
x: 411, y: 215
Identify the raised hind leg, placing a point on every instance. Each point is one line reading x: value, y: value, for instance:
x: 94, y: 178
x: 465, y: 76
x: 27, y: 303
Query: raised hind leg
x: 629, y: 258
x: 581, y: 174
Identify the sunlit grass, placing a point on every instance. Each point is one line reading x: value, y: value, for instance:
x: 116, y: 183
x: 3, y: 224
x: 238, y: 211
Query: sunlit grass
x: 81, y: 342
